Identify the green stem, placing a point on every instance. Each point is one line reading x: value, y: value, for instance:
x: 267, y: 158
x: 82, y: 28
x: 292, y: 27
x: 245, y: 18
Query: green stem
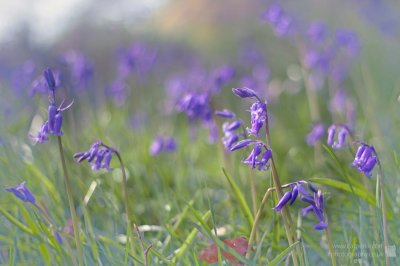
x: 126, y: 203
x: 287, y: 219
x: 328, y: 234
x: 74, y: 217
x: 380, y: 182
x: 256, y: 221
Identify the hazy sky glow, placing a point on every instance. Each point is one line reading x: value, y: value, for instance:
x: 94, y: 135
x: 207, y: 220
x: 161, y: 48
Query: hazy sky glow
x: 48, y: 19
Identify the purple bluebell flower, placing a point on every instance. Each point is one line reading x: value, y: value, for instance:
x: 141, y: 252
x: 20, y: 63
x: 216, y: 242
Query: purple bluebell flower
x: 316, y: 134
x: 342, y: 132
x: 365, y: 159
x: 225, y: 114
x: 252, y: 158
x: 48, y: 75
x: 41, y: 136
x: 223, y: 75
x: 58, y: 237
x: 317, y: 32
x: 162, y: 144
x: 280, y: 21
x: 315, y: 201
x: 80, y: 67
x: 258, y: 113
x: 48, y: 82
x: 22, y: 192
x: 99, y: 156
x: 244, y: 92
x: 118, y: 91
x: 349, y: 40
x: 243, y: 143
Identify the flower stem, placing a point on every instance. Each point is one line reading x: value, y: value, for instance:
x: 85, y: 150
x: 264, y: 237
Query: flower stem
x: 287, y: 219
x: 74, y: 217
x: 328, y: 234
x: 380, y: 182
x: 126, y: 203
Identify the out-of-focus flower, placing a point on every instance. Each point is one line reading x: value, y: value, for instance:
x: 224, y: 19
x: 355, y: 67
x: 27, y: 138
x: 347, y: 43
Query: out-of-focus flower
x: 42, y: 85
x: 318, y: 130
x: 80, y: 67
x: 41, y: 136
x: 22, y: 192
x: 317, y: 32
x: 365, y: 159
x: 343, y: 132
x: 163, y: 144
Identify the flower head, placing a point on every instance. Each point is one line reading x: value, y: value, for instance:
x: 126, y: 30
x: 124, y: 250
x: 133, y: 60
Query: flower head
x: 316, y: 134
x: 365, y: 159
x: 258, y: 113
x: 99, y: 156
x: 342, y: 132
x: 162, y: 144
x: 22, y: 192
x: 314, y: 199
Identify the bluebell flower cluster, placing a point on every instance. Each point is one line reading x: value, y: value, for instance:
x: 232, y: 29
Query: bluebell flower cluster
x: 162, y: 144
x: 365, y: 159
x: 260, y: 155
x: 98, y: 156
x: 315, y: 200
x: 55, y: 119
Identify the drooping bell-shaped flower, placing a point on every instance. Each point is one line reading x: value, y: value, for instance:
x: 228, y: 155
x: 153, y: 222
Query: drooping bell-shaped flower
x: 22, y: 192
x: 365, y: 159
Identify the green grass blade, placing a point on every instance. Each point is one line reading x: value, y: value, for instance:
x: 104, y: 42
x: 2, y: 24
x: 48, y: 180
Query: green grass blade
x: 17, y: 223
x: 278, y: 259
x: 240, y: 198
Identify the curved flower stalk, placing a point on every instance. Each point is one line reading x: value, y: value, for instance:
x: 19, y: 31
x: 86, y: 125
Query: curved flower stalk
x: 99, y: 157
x: 53, y: 126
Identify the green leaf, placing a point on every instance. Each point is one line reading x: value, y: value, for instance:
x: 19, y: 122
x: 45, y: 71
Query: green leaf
x: 278, y: 259
x: 240, y: 198
x: 358, y: 191
x: 17, y: 223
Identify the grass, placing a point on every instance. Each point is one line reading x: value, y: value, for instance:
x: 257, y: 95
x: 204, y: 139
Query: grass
x: 184, y: 201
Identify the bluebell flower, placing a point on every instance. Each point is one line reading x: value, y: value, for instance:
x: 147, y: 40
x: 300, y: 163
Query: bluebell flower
x: 98, y: 156
x: 80, y: 67
x: 365, y: 159
x: 22, y: 192
x: 258, y: 113
x: 317, y: 32
x: 162, y: 144
x: 315, y: 201
x: 342, y: 132
x: 225, y: 114
x: 316, y: 134
x: 41, y: 136
x: 244, y: 92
